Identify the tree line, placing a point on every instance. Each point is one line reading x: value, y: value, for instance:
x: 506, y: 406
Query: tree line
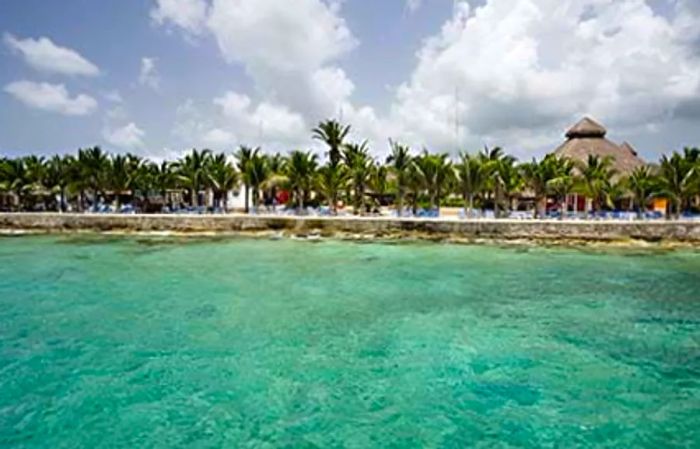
x: 350, y: 175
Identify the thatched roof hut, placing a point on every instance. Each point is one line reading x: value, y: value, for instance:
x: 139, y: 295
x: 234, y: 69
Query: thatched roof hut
x: 587, y: 137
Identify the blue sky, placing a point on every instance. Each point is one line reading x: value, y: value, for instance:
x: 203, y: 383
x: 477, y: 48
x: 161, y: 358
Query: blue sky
x: 157, y: 77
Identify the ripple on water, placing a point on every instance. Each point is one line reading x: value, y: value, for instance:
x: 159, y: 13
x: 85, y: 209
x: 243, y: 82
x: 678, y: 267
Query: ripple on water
x: 132, y: 342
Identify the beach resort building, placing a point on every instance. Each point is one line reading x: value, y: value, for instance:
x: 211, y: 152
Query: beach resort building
x: 588, y: 137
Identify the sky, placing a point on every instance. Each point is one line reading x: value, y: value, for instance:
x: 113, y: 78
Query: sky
x: 159, y: 77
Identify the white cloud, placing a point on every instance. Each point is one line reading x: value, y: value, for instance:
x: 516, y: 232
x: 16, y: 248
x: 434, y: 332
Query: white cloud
x: 413, y: 5
x: 282, y: 46
x: 511, y: 72
x: 51, y: 97
x: 149, y: 74
x: 274, y: 121
x: 129, y: 136
x: 519, y: 71
x: 268, y: 121
x: 218, y: 138
x: 274, y: 34
x: 233, y: 119
x: 42, y: 54
x: 186, y: 14
x: 114, y: 96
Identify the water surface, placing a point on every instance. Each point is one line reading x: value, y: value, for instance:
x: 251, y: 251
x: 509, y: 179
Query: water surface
x: 152, y: 343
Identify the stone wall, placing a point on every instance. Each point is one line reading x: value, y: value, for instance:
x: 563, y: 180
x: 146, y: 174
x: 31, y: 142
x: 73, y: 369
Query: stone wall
x: 671, y: 231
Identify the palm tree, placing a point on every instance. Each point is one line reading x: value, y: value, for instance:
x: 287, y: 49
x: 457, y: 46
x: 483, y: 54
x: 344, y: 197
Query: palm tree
x: 277, y: 177
x: 614, y: 192
x: 223, y: 178
x: 359, y: 164
x: 400, y: 160
x: 379, y: 181
x: 492, y: 160
x: 415, y: 184
x: 301, y: 170
x: 498, y: 166
x: 93, y: 166
x: 14, y: 179
x: 36, y: 174
x: 192, y: 173
x: 471, y: 179
x: 538, y: 177
x: 244, y: 156
x: 256, y: 173
x: 140, y: 182
x: 692, y: 156
x: 119, y: 177
x: 58, y: 177
x: 595, y: 176
x: 333, y: 134
x: 562, y: 181
x: 330, y: 181
x: 164, y: 178
x: 677, y: 180
x: 436, y: 171
x: 511, y: 180
x: 643, y: 185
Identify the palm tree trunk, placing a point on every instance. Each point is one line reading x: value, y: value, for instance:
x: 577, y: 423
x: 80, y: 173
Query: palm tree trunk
x: 62, y: 200
x: 437, y: 204
x: 18, y: 194
x: 165, y: 200
x: 538, y: 206
x: 247, y: 205
x: 496, y: 198
x: 639, y: 201
x: 273, y: 195
x: 362, y: 200
x: 400, y: 201
x: 563, y: 208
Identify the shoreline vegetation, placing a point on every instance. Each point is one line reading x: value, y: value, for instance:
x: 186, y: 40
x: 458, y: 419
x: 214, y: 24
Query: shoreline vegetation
x: 587, y: 177
x: 583, y: 233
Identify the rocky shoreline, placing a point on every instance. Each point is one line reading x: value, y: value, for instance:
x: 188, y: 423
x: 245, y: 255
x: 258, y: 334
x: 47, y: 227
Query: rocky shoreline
x: 657, y: 234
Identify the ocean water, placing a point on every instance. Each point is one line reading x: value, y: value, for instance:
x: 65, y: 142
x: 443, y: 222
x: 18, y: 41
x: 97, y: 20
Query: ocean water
x: 173, y: 343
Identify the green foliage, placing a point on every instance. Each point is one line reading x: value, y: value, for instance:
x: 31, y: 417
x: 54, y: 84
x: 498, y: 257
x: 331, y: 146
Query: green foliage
x: 400, y: 162
x: 644, y: 186
x: 679, y: 178
x: 301, y: 173
x: 333, y: 134
x: 222, y: 178
x: 489, y: 178
x: 471, y: 178
x: 596, y: 176
x: 330, y: 181
x: 359, y: 166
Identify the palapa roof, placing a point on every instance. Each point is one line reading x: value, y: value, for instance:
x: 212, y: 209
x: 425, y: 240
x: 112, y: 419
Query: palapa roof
x: 587, y: 137
x: 587, y: 128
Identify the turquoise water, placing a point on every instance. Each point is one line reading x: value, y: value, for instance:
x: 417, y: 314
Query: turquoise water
x: 151, y: 343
